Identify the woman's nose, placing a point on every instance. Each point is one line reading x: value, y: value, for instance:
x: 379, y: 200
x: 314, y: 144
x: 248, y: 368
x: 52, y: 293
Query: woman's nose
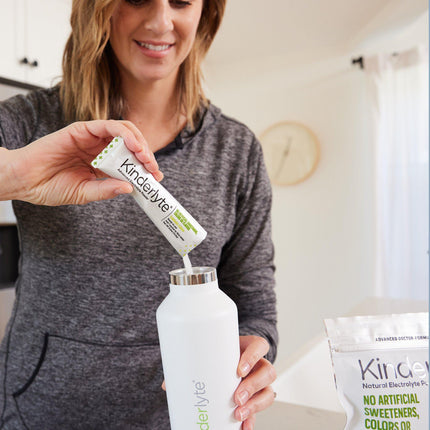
x: 159, y: 19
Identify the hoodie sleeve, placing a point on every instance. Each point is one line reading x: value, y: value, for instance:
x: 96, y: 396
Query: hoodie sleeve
x: 246, y: 269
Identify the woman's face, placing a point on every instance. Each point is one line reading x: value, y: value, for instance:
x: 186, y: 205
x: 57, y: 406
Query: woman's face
x: 151, y: 38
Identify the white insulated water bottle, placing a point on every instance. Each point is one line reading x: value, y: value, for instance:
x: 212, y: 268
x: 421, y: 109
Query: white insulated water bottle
x: 199, y: 342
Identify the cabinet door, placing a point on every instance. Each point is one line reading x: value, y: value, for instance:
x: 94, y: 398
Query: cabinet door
x: 10, y: 49
x: 47, y: 30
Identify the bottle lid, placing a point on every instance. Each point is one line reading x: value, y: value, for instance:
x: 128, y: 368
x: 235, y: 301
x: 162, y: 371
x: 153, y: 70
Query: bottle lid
x: 199, y: 275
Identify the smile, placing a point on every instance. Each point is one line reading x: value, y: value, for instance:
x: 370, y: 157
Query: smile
x: 157, y: 48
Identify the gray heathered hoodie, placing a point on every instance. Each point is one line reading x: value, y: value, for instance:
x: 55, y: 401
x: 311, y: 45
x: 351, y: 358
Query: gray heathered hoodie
x: 81, y: 349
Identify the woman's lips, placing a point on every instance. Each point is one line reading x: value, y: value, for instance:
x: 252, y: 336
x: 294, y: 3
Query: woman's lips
x: 154, y: 49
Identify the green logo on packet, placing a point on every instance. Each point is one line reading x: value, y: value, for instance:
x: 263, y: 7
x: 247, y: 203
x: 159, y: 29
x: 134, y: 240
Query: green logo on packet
x: 183, y: 220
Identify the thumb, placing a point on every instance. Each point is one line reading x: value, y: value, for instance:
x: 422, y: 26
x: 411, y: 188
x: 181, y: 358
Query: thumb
x: 104, y: 189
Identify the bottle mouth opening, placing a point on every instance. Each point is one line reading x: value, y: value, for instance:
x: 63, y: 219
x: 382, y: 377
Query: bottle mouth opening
x: 198, y: 275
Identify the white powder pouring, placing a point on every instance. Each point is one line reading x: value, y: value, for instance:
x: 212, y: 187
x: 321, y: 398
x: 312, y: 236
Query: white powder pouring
x: 187, y: 265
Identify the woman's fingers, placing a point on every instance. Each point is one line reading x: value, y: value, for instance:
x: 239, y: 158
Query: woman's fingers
x: 249, y: 423
x: 92, y: 136
x: 260, y: 401
x: 144, y: 155
x: 262, y: 375
x: 254, y: 393
x: 253, y: 348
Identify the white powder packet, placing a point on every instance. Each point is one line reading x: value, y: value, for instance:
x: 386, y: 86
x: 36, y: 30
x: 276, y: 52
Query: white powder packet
x: 182, y: 231
x: 381, y: 370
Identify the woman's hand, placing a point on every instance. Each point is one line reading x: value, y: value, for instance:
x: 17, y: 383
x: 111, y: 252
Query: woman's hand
x: 55, y: 170
x: 254, y: 392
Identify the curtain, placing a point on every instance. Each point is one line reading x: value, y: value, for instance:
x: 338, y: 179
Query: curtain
x: 398, y: 85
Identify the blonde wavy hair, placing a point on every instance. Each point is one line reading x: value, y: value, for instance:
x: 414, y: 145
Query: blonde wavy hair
x: 90, y: 88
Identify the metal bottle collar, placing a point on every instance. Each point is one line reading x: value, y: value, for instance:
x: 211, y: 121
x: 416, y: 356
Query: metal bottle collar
x: 199, y: 275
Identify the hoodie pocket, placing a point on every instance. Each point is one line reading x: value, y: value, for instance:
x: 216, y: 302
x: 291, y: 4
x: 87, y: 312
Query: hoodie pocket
x: 79, y: 384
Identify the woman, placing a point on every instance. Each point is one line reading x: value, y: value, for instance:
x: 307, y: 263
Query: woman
x: 81, y: 349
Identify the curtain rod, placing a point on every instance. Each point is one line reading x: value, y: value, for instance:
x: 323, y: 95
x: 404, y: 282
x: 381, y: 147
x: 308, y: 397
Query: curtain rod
x: 360, y: 60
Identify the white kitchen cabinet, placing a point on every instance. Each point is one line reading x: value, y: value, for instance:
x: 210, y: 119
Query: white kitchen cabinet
x: 33, y: 35
x: 8, y: 68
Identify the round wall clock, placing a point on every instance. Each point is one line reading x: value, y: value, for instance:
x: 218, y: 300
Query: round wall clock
x: 291, y: 152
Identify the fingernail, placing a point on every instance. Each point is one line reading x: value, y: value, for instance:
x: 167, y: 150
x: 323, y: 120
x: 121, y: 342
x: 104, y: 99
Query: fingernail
x: 243, y: 397
x: 244, y: 369
x: 244, y: 414
x: 119, y: 191
x: 127, y: 189
x: 158, y: 176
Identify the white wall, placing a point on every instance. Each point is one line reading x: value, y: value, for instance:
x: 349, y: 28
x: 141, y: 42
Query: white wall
x: 323, y: 228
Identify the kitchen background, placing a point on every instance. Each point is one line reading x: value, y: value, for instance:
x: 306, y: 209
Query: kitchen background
x: 275, y: 61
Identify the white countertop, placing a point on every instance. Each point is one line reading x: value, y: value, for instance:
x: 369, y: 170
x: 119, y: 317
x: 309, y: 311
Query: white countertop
x: 287, y: 416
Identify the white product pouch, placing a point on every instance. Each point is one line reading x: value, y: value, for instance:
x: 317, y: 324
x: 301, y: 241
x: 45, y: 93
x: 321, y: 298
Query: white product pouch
x: 381, y: 370
x: 177, y: 225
